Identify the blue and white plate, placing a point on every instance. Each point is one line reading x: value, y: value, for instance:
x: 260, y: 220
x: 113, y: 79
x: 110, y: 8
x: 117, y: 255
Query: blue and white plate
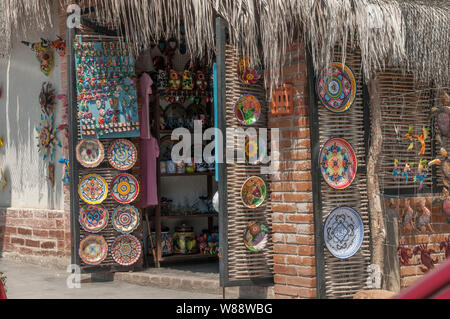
x: 343, y: 232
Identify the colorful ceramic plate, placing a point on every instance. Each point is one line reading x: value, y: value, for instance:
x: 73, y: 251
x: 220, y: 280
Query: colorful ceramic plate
x: 126, y: 250
x: 336, y: 88
x: 124, y: 188
x: 93, y: 249
x: 343, y: 232
x: 253, y: 192
x: 122, y: 154
x: 90, y: 153
x: 246, y: 72
x: 443, y: 122
x: 247, y: 109
x: 255, y: 150
x: 93, y: 189
x: 338, y: 163
x: 125, y: 219
x: 165, y: 148
x: 93, y: 218
x: 256, y: 236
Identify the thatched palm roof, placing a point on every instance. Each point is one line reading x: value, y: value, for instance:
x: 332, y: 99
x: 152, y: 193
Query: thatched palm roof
x: 413, y: 34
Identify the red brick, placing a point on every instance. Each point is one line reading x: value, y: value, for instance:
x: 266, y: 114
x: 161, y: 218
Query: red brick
x: 280, y: 279
x: 296, y: 197
x: 302, y: 121
x: 300, y: 239
x: 284, y: 249
x: 306, y: 250
x: 276, y: 197
x: 299, y: 133
x: 284, y: 228
x: 306, y: 270
x: 286, y: 290
x: 294, y: 69
x: 55, y: 215
x: 57, y: 234
x: 17, y: 241
x: 25, y: 214
x: 279, y: 259
x: 300, y: 218
x: 10, y: 230
x: 302, y: 109
x: 307, y: 292
x: 24, y: 231
x: 283, y: 208
x: 301, y: 187
x: 48, y: 245
x: 277, y: 217
x: 302, y: 281
x: 296, y: 155
x: 280, y: 123
x: 40, y: 233
x: 297, y: 176
x: 32, y: 243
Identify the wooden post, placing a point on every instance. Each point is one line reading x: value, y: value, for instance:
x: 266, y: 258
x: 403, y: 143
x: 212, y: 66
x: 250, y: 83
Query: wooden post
x: 378, y: 231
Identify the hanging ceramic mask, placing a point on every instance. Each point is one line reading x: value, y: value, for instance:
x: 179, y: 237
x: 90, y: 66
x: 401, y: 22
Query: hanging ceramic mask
x: 201, y: 82
x: 188, y: 80
x: 43, y: 54
x: 174, y: 80
x: 162, y: 80
x: 60, y: 46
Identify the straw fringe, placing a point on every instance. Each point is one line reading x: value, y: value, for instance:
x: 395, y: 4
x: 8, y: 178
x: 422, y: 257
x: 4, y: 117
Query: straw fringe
x: 413, y: 34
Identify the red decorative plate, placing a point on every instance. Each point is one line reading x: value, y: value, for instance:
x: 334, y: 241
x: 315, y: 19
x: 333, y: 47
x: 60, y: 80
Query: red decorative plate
x: 126, y: 250
x: 338, y: 163
x: 124, y: 188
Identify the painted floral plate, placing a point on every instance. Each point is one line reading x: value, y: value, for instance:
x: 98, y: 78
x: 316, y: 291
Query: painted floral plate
x: 343, y: 232
x: 336, y: 88
x: 93, y: 218
x: 256, y: 236
x: 246, y: 72
x: 126, y: 250
x: 247, y: 109
x: 93, y: 189
x: 90, y: 153
x: 125, y: 219
x: 93, y: 249
x: 253, y: 192
x: 124, y: 188
x: 338, y: 164
x: 122, y: 154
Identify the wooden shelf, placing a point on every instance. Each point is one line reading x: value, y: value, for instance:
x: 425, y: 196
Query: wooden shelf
x: 187, y: 257
x: 209, y: 173
x: 188, y: 216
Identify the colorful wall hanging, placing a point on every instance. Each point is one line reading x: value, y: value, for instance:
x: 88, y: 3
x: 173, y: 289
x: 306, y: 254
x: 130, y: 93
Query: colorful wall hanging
x: 60, y: 46
x: 247, y: 109
x: 93, y: 249
x: 124, y: 188
x: 126, y: 250
x: 247, y: 72
x: 125, y: 219
x: 66, y: 177
x: 122, y: 154
x: 106, y: 86
x: 256, y: 236
x: 47, y: 139
x: 90, y: 153
x: 93, y: 218
x: 338, y: 163
x: 253, y: 192
x: 93, y: 189
x: 43, y: 54
x: 343, y: 232
x: 336, y: 88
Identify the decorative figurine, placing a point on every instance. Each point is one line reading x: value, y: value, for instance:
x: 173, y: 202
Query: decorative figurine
x: 425, y: 257
x: 397, y: 169
x: 408, y: 216
x: 406, y: 172
x: 422, y: 139
x: 404, y: 254
x: 424, y: 219
x: 421, y: 173
x: 43, y: 54
x: 410, y: 137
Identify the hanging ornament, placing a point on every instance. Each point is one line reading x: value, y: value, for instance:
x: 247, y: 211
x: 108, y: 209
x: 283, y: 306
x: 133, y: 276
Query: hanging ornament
x: 66, y: 178
x: 47, y: 98
x: 43, y: 54
x: 397, y: 169
x: 422, y: 173
x: 410, y: 137
x: 406, y: 172
x: 422, y: 139
x: 47, y: 140
x: 60, y: 46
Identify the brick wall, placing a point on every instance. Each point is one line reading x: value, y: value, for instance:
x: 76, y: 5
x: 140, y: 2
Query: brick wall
x: 34, y: 232
x: 293, y: 221
x: 411, y: 238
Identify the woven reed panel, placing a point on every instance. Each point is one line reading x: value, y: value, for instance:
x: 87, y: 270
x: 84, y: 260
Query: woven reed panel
x: 242, y: 263
x: 344, y: 277
x: 109, y: 233
x: 403, y: 103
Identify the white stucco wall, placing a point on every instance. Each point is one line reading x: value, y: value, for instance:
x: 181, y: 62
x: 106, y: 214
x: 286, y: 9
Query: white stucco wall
x: 20, y: 115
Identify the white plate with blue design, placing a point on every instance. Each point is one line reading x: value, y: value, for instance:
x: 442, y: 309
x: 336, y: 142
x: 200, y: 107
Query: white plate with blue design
x: 343, y: 232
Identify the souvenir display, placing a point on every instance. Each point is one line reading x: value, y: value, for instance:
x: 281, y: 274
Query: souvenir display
x: 124, y: 188
x: 122, y: 154
x: 247, y: 72
x: 47, y: 140
x: 256, y: 236
x: 253, y: 192
x: 247, y: 109
x: 90, y: 153
x: 126, y: 250
x: 43, y: 54
x: 125, y: 219
x: 184, y: 240
x: 336, y: 88
x: 166, y: 243
x: 47, y: 98
x: 425, y: 257
x: 422, y: 139
x: 208, y: 243
x: 174, y: 116
x: 93, y: 249
x: 255, y: 150
x: 93, y: 189
x: 196, y: 112
x: 106, y: 87
x: 166, y: 149
x: 93, y: 218
x: 60, y: 46
x: 338, y: 163
x: 343, y: 232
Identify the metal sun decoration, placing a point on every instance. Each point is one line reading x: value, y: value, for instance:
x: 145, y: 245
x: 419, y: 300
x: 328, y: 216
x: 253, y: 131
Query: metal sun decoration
x: 47, y: 139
